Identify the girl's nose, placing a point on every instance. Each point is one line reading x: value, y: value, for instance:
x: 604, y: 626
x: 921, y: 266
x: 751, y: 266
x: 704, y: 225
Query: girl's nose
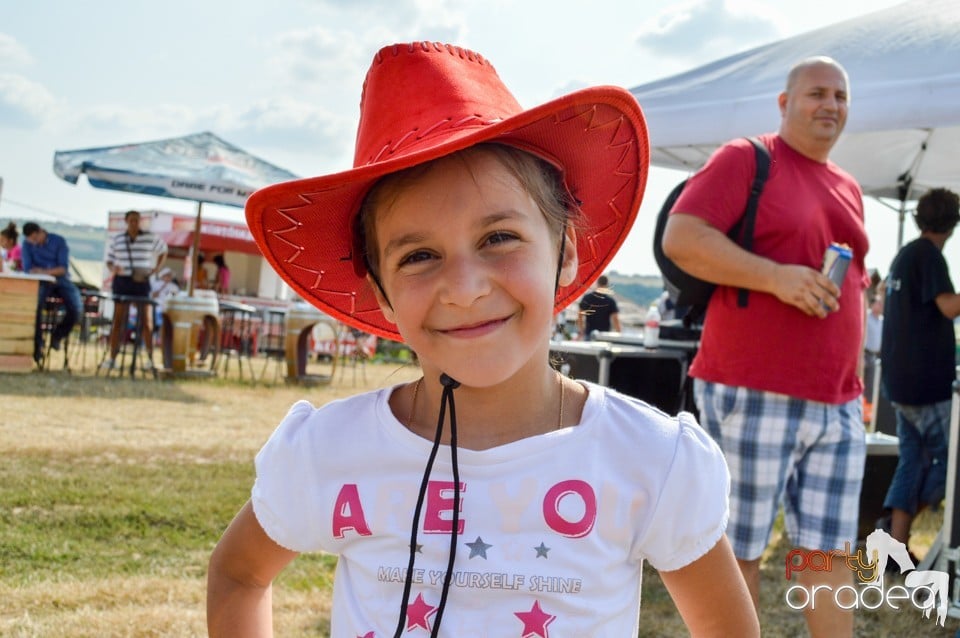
x: 463, y: 281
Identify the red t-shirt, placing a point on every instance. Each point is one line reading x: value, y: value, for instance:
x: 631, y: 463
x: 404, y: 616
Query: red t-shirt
x: 805, y: 206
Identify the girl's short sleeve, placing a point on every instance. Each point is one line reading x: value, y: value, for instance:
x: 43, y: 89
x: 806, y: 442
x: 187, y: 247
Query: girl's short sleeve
x: 693, y: 506
x: 282, y: 493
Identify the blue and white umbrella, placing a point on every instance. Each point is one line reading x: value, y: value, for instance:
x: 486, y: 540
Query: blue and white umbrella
x: 199, y: 167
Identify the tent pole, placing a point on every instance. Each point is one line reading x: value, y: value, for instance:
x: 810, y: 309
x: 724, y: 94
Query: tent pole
x: 195, y: 250
x: 902, y: 214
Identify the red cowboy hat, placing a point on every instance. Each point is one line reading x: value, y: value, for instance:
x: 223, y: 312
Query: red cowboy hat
x: 425, y: 100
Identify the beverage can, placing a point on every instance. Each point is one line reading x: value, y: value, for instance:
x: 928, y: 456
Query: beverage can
x: 836, y: 261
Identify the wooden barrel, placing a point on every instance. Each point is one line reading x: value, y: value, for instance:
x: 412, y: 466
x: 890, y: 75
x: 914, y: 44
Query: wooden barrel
x: 184, y: 319
x: 301, y: 318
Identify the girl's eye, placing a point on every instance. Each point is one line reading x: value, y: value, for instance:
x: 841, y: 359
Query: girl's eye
x: 415, y: 257
x: 500, y: 237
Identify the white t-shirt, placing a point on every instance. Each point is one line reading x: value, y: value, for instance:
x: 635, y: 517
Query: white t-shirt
x: 553, y: 528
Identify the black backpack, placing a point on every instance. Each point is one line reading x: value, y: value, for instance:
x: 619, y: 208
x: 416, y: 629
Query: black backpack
x: 690, y: 294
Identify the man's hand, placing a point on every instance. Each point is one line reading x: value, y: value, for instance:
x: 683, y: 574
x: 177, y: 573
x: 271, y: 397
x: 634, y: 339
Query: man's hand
x: 806, y: 289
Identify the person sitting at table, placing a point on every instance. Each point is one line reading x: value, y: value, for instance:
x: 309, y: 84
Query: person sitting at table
x: 46, y: 253
x: 163, y: 286
x: 132, y: 256
x: 12, y: 260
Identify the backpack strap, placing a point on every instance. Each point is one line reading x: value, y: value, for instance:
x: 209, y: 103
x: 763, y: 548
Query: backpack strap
x: 750, y: 214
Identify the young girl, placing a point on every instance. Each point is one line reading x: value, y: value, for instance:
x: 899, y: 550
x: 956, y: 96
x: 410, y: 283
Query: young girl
x: 493, y: 497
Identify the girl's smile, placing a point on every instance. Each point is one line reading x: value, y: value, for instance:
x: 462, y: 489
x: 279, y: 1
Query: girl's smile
x: 471, y: 331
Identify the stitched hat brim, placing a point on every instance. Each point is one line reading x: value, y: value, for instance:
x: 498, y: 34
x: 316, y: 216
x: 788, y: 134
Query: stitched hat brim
x: 597, y: 137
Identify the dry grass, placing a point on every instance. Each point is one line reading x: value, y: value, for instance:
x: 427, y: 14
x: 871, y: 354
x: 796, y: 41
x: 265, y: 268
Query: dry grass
x: 66, y: 429
x: 70, y: 423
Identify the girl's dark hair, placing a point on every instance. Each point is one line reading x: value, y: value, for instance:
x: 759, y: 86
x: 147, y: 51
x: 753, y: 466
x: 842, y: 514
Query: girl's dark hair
x: 10, y: 232
x: 938, y: 211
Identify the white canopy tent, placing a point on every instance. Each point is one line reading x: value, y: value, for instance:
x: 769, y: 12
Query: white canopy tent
x: 903, y: 134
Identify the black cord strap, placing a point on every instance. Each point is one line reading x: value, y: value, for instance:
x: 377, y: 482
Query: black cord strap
x: 449, y: 385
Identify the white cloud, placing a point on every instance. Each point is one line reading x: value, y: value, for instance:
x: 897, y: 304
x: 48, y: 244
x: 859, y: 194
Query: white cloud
x: 288, y: 123
x: 693, y: 30
x: 12, y: 53
x: 157, y: 121
x: 277, y: 123
x: 317, y: 61
x: 24, y: 103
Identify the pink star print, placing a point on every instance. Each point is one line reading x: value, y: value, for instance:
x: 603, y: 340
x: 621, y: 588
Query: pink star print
x: 369, y: 634
x: 419, y: 612
x: 535, y: 621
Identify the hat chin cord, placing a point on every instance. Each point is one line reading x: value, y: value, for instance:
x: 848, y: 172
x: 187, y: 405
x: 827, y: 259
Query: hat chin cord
x: 449, y: 385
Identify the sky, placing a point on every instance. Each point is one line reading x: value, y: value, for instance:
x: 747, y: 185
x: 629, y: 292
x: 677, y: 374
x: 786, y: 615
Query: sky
x: 281, y: 79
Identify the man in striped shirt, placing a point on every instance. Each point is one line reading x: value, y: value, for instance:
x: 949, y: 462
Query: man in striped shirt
x: 132, y: 257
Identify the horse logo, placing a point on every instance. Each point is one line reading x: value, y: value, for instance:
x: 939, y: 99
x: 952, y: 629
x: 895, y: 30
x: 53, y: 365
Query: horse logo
x: 883, y: 547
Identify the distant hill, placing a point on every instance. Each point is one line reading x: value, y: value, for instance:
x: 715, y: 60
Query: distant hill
x: 86, y: 242
x: 640, y: 289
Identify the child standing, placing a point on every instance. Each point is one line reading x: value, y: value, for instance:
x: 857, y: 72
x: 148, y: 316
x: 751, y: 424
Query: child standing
x: 493, y: 497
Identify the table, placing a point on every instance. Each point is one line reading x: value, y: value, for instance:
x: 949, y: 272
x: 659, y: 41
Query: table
x: 18, y: 319
x: 637, y: 340
x: 272, y: 337
x: 237, y: 337
x: 655, y: 375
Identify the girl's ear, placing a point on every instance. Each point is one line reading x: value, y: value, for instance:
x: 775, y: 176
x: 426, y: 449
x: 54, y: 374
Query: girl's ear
x: 385, y: 306
x: 570, y: 263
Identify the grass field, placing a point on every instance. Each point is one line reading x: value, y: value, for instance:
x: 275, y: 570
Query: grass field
x: 113, y: 492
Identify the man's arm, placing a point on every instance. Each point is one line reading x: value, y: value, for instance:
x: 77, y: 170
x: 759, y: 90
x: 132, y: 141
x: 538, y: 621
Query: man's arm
x: 63, y: 259
x: 26, y: 256
x: 112, y: 264
x: 949, y: 304
x: 30, y: 265
x: 162, y: 250
x: 161, y: 260
x: 703, y: 251
x: 615, y: 322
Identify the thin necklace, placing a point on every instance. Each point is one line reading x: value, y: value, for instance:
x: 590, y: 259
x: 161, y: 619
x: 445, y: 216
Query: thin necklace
x: 416, y: 392
x: 560, y: 418
x: 413, y: 404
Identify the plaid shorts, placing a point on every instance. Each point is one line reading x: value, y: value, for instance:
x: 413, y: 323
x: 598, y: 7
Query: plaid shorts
x: 807, y: 454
